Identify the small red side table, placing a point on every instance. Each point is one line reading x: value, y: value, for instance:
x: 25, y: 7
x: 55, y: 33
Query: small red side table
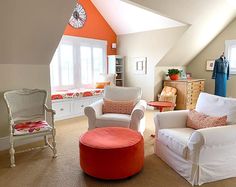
x: 160, y: 105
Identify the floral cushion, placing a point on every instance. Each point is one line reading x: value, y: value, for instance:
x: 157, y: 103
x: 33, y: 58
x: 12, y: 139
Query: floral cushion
x: 31, y: 127
x: 75, y: 93
x: 197, y: 120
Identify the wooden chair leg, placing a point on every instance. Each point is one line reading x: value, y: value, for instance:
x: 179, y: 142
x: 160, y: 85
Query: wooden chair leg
x: 12, y: 152
x: 45, y: 140
x: 54, y: 143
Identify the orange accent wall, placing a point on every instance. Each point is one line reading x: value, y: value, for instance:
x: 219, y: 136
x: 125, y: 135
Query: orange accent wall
x: 95, y: 27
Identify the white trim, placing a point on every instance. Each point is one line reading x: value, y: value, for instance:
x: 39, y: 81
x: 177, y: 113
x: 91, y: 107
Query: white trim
x: 77, y: 43
x: 4, y: 142
x: 228, y: 45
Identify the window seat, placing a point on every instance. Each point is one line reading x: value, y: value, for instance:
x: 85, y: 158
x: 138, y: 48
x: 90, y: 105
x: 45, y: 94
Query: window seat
x: 76, y: 93
x: 71, y: 103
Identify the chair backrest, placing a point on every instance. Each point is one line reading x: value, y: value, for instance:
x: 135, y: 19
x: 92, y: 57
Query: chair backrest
x: 168, y: 91
x: 116, y: 93
x: 217, y: 106
x: 26, y: 105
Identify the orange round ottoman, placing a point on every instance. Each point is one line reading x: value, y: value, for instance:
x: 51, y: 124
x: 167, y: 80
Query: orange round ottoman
x: 111, y: 152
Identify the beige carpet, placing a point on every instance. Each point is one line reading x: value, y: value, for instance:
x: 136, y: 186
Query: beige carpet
x: 37, y: 168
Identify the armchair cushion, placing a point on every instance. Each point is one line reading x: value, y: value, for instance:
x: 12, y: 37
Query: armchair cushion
x: 113, y: 120
x: 176, y: 139
x: 119, y: 107
x: 217, y: 106
x: 101, y: 85
x: 198, y: 120
x: 123, y: 93
x: 168, y: 91
x: 31, y: 127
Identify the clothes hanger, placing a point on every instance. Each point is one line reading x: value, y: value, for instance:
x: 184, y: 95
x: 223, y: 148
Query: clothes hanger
x: 223, y: 55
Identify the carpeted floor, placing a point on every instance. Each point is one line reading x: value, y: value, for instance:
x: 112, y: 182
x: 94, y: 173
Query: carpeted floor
x: 38, y: 169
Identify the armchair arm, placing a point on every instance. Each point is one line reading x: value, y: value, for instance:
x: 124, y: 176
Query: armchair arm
x: 49, y: 110
x: 53, y: 112
x: 92, y: 112
x: 214, y: 136
x: 172, y: 119
x: 137, y: 114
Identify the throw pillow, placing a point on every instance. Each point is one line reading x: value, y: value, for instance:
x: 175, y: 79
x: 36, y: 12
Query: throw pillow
x: 119, y: 107
x: 197, y: 120
x: 101, y: 85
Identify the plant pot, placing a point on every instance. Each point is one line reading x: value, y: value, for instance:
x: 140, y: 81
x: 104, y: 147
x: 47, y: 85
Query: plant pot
x: 174, y: 77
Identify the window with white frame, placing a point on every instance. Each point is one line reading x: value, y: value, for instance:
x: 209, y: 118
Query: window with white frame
x: 230, y: 53
x: 77, y: 62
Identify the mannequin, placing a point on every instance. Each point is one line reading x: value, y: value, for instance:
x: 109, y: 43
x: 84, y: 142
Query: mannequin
x: 221, y: 75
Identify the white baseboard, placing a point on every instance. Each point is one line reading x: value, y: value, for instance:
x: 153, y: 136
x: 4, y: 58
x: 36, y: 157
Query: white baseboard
x: 4, y: 142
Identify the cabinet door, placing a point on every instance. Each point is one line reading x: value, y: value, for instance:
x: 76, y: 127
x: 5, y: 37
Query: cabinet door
x: 62, y: 108
x: 79, y: 105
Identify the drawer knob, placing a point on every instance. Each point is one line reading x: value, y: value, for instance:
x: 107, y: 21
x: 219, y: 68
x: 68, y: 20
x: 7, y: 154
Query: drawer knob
x: 61, y: 109
x: 82, y: 106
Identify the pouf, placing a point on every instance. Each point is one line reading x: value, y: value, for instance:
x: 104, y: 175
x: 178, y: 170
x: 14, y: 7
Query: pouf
x: 111, y: 152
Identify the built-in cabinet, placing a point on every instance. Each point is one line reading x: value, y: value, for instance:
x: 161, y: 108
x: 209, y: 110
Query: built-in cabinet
x: 72, y: 107
x: 116, y: 66
x: 187, y: 92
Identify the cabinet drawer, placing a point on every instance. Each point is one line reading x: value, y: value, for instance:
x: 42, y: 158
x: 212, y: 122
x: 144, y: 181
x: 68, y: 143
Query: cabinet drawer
x: 62, y: 108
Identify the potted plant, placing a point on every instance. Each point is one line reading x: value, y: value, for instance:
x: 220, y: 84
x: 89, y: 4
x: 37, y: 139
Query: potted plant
x: 173, y: 74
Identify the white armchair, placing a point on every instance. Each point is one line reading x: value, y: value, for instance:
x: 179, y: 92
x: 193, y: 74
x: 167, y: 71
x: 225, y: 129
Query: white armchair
x: 96, y: 118
x: 203, y: 155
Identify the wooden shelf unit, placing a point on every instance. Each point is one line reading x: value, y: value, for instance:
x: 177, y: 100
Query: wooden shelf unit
x: 116, y: 66
x: 187, y: 92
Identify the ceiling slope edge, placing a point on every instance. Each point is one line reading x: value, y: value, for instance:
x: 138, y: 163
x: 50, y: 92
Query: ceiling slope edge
x: 202, y: 16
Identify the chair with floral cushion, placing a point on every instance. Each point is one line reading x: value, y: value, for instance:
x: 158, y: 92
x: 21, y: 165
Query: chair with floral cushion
x: 27, y: 118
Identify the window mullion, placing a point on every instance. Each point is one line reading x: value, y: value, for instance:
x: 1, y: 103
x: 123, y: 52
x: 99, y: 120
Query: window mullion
x: 92, y: 65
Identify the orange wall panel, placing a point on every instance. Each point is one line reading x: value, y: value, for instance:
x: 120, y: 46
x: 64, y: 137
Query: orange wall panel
x: 95, y: 27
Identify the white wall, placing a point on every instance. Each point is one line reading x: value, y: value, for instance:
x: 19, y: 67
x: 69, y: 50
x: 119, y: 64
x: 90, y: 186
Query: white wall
x: 16, y: 76
x: 153, y: 45
x: 30, y: 32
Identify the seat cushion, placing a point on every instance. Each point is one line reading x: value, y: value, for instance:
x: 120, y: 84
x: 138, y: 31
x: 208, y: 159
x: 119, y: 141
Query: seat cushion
x: 176, y: 139
x: 113, y: 120
x: 31, y: 127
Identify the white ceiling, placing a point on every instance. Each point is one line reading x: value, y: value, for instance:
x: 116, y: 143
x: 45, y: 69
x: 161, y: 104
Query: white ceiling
x: 125, y: 18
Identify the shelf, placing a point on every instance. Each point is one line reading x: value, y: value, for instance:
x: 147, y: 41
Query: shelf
x: 116, y: 65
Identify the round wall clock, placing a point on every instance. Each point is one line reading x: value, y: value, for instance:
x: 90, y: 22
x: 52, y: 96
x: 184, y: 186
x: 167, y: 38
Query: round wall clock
x: 78, y: 17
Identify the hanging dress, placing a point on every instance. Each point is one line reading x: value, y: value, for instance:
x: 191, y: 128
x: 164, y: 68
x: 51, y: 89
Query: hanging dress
x: 221, y: 75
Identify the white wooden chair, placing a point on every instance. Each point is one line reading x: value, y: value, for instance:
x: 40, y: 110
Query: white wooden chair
x: 27, y: 118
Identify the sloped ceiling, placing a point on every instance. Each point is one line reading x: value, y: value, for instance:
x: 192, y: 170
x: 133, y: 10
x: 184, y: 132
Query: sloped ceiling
x: 125, y: 18
x: 206, y: 19
x: 31, y: 30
